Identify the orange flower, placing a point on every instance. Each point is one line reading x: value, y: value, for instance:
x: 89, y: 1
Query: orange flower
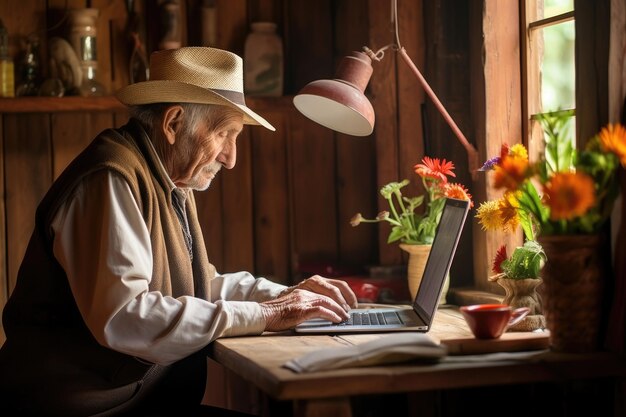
x: 435, y: 169
x: 569, y: 195
x: 613, y: 139
x: 511, y: 172
x: 459, y: 192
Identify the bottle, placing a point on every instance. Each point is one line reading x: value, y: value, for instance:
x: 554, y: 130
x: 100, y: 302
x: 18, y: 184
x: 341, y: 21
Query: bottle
x: 263, y: 61
x: 209, y: 25
x: 83, y: 40
x: 170, y: 25
x: 7, y: 86
x: 29, y: 69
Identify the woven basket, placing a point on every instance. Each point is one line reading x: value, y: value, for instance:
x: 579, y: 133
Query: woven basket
x: 573, y: 279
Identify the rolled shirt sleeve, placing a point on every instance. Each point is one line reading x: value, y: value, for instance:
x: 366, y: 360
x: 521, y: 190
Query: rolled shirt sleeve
x: 101, y: 241
x: 244, y: 286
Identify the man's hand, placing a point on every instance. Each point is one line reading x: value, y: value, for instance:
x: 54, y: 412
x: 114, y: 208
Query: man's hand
x: 336, y: 289
x: 315, y: 297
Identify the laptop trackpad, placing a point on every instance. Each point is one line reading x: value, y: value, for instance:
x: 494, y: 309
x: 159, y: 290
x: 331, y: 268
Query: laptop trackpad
x: 410, y: 318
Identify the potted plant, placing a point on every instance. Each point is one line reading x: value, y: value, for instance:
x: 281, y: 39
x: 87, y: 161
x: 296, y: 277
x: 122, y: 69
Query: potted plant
x: 563, y: 203
x: 412, y: 229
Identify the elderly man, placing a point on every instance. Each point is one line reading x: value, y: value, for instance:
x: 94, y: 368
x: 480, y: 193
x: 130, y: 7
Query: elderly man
x: 116, y: 299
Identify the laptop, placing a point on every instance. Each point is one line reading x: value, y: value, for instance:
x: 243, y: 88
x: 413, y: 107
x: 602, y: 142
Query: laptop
x: 420, y: 315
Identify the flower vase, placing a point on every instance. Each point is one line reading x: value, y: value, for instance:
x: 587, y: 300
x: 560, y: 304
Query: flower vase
x: 523, y: 293
x: 573, y: 276
x: 418, y: 255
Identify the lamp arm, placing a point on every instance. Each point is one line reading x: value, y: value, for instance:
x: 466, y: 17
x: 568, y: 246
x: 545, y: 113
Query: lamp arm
x: 472, y: 153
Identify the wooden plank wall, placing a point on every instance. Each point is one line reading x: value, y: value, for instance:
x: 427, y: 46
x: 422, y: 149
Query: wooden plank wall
x: 286, y: 205
x: 288, y: 201
x: 448, y: 70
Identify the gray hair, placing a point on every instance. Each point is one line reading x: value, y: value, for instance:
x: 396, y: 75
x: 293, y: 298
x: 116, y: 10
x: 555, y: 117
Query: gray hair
x: 213, y: 114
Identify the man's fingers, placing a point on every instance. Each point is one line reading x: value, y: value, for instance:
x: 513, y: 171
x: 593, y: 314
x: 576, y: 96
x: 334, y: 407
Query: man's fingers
x: 319, y: 302
x: 346, y: 291
x: 325, y: 287
x: 321, y: 312
x: 300, y: 305
x: 336, y: 289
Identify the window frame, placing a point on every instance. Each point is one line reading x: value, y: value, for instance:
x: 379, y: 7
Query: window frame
x: 532, y: 133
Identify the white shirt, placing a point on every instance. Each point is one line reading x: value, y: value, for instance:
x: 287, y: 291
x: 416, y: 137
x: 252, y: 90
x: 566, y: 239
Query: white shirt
x: 103, y: 244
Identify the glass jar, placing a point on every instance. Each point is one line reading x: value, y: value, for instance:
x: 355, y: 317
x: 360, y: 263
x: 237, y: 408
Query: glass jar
x: 83, y: 40
x: 263, y: 61
x: 29, y: 69
x: 7, y: 86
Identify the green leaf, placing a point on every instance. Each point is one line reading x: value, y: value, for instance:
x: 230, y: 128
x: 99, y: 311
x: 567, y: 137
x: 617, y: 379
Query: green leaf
x: 560, y: 153
x: 525, y: 261
x: 414, y: 202
x: 396, y: 234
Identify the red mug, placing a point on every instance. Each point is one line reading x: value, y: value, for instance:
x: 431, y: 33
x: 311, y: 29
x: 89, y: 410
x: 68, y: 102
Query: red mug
x: 489, y: 321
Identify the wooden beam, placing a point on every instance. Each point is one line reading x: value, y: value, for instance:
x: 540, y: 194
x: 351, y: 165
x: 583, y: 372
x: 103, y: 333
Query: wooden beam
x: 383, y: 90
x: 497, y: 115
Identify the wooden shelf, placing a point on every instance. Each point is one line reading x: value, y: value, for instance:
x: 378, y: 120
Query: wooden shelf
x: 106, y: 103
x: 59, y: 104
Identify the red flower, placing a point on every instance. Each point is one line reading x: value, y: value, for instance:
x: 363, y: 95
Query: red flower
x: 435, y: 169
x: 500, y: 257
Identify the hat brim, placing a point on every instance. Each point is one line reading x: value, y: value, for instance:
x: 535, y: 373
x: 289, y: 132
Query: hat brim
x: 167, y: 91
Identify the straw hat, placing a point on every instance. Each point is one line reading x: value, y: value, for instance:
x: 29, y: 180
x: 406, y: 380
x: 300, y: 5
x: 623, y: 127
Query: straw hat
x: 193, y: 75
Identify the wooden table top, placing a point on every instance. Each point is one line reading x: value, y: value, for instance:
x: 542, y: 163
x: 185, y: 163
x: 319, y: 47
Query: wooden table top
x: 260, y: 360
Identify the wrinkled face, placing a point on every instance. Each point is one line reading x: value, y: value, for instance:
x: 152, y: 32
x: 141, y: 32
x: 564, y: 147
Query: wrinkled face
x: 199, y: 155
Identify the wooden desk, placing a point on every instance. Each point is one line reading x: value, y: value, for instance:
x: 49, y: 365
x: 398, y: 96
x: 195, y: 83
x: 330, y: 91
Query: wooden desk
x: 258, y: 360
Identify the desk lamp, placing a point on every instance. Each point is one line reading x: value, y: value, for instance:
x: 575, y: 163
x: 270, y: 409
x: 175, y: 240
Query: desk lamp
x: 340, y: 104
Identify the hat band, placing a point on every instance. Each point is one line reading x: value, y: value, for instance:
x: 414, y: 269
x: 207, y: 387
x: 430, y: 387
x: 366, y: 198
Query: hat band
x: 234, y: 96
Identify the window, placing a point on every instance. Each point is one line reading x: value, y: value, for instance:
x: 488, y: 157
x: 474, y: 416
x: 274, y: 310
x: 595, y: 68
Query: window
x: 548, y: 66
x: 539, y: 34
x: 520, y: 31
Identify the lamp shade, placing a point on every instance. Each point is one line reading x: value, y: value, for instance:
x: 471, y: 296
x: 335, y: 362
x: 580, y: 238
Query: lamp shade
x: 340, y: 104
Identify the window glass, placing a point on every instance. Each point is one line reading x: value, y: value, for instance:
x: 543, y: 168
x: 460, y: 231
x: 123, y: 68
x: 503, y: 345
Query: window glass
x: 550, y: 66
x: 556, y: 7
x: 558, y: 67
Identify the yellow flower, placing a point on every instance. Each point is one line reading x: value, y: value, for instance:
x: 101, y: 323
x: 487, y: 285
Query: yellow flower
x: 508, y: 207
x: 488, y: 215
x: 500, y: 214
x: 519, y: 151
x: 569, y: 195
x: 613, y: 139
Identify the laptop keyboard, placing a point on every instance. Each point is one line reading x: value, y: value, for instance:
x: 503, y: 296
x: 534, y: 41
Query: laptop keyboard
x: 372, y: 319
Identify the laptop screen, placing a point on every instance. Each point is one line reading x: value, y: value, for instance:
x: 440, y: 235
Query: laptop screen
x: 440, y: 258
